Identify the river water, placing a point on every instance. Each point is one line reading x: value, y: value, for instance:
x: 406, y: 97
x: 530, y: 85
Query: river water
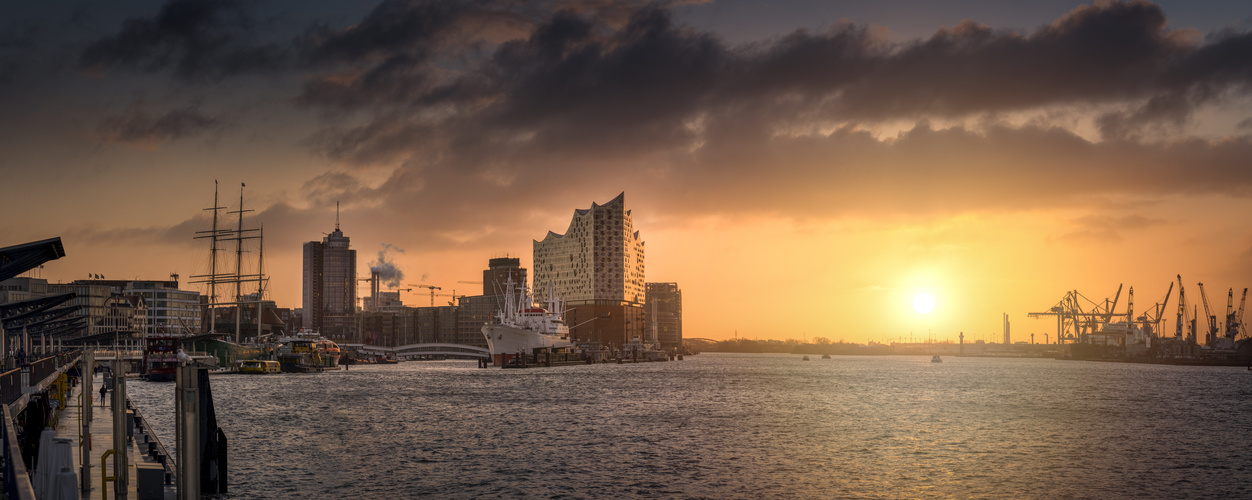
x: 736, y: 426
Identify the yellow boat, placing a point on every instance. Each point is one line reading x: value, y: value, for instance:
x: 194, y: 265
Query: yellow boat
x: 258, y: 366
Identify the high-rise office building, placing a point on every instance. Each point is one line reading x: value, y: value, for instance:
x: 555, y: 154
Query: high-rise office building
x: 664, y: 310
x: 498, y: 273
x: 597, y: 268
x: 330, y: 286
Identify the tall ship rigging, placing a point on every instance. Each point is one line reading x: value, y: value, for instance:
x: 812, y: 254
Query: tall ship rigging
x: 233, y: 285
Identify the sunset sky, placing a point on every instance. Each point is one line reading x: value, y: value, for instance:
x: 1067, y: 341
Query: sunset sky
x: 799, y: 168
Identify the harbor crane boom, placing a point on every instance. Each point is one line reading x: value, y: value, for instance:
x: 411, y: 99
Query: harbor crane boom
x: 1211, y: 336
x: 1158, y: 311
x: 1182, y: 314
x: 1234, y: 320
x: 1130, y: 306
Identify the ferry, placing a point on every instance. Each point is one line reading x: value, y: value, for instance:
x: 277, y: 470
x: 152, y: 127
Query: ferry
x: 259, y: 366
x: 308, y: 352
x: 521, y: 328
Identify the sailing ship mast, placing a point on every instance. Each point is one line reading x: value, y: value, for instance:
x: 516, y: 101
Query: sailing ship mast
x: 239, y: 235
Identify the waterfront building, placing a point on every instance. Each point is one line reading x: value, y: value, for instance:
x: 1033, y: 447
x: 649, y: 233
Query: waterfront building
x: 664, y: 310
x: 108, y: 315
x: 330, y: 286
x: 438, y: 325
x: 171, y: 311
x: 498, y: 273
x: 597, y: 267
x: 22, y: 288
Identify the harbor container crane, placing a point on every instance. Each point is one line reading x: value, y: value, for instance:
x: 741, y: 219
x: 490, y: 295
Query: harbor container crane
x: 1152, y: 321
x: 1210, y: 337
x: 1234, y: 320
x: 1186, y: 323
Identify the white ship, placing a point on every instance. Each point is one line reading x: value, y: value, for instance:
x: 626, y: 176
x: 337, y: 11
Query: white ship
x: 521, y: 328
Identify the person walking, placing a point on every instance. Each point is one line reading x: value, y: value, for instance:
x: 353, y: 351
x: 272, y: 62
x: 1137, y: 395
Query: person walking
x: 104, y: 389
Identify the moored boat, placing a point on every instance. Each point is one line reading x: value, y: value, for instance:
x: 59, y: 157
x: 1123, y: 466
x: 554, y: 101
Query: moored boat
x: 160, y: 357
x: 521, y: 328
x: 308, y: 352
x: 259, y: 366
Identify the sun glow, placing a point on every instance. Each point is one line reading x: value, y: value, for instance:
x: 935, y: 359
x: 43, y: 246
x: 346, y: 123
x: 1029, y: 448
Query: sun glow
x: 923, y: 303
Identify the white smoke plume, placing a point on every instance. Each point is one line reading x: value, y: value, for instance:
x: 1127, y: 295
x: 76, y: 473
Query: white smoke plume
x: 388, y: 274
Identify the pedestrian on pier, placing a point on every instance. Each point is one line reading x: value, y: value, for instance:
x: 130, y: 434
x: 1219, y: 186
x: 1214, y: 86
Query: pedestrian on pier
x: 103, y: 390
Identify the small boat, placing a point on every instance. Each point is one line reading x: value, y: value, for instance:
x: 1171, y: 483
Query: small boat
x: 935, y: 359
x: 825, y: 356
x: 806, y: 358
x: 259, y: 366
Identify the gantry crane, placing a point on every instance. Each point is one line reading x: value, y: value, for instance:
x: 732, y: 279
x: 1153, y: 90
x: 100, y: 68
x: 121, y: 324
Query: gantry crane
x: 432, y: 292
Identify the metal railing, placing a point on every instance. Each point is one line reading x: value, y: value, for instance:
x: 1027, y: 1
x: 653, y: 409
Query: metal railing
x: 16, y: 479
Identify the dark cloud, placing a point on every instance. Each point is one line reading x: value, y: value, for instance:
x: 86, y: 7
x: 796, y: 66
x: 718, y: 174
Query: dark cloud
x: 578, y: 87
x: 197, y: 39
x: 1100, y: 228
x: 17, y: 41
x: 475, y: 107
x: 137, y: 127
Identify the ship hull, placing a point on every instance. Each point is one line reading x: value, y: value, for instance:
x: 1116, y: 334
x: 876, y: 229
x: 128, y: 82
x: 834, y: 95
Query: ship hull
x: 506, y: 341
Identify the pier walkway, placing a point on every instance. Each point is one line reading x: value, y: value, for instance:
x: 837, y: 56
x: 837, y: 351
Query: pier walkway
x: 68, y: 426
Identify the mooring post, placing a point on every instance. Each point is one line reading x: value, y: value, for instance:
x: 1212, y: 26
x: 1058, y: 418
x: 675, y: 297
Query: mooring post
x: 120, y: 463
x: 187, y: 418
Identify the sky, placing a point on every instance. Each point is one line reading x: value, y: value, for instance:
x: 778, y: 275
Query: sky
x: 801, y: 169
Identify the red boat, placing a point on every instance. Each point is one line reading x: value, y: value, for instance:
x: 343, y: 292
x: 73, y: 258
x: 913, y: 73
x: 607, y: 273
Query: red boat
x: 160, y: 358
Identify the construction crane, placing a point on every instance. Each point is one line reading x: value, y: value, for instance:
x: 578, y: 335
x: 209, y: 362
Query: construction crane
x: 1211, y: 335
x: 1234, y: 321
x: 453, y: 295
x: 432, y: 292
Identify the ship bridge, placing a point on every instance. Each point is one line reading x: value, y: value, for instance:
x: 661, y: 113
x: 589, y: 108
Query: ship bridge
x: 420, y: 351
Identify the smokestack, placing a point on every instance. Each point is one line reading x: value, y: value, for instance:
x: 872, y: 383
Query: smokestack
x: 374, y: 290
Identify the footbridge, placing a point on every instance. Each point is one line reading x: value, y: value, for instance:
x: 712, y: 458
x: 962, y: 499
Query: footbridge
x: 419, y: 351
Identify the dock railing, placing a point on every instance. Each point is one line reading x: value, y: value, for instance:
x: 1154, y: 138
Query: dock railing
x: 16, y: 479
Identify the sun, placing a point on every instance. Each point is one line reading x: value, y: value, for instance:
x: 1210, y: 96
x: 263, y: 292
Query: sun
x: 923, y: 303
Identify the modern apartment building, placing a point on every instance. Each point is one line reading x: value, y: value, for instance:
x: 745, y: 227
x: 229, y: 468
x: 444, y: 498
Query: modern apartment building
x: 664, y: 311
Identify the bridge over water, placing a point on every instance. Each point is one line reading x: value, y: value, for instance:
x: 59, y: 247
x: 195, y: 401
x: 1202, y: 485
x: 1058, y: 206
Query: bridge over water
x: 431, y: 350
